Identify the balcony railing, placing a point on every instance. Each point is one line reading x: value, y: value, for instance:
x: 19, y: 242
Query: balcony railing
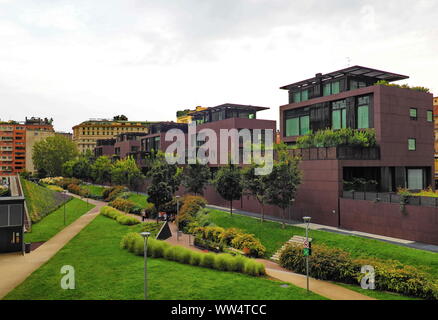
x: 389, y: 197
x: 338, y: 153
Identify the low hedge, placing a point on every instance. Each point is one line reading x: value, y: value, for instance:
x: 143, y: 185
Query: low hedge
x: 77, y: 189
x: 134, y: 242
x: 118, y: 216
x: 64, y: 182
x: 337, y: 265
x: 125, y: 205
x: 112, y: 193
x: 217, y: 237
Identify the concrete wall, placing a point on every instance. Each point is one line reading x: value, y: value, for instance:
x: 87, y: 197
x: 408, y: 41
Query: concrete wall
x: 417, y: 223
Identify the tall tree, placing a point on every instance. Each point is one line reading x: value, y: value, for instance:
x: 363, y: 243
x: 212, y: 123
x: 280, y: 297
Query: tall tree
x: 228, y: 183
x: 165, y: 180
x: 195, y: 177
x: 282, y: 182
x: 255, y: 185
x: 101, y: 170
x: 50, y: 154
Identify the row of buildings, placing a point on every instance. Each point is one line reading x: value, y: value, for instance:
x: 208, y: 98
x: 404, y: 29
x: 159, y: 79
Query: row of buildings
x: 17, y: 139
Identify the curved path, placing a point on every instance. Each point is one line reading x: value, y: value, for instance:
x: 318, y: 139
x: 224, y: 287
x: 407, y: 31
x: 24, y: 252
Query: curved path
x: 15, y: 268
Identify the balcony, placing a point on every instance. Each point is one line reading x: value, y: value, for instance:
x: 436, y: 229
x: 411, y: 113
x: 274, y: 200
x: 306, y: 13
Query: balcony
x: 337, y: 153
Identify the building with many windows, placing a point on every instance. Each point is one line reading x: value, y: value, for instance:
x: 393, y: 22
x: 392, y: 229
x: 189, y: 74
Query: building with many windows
x: 16, y: 143
x: 435, y: 121
x: 351, y: 98
x: 88, y: 132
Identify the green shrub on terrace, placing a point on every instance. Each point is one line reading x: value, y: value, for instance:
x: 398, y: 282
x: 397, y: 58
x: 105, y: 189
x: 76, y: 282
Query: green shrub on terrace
x: 402, y: 86
x: 341, y: 137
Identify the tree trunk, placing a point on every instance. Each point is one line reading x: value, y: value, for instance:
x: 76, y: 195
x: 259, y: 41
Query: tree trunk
x: 283, y: 225
x: 263, y: 212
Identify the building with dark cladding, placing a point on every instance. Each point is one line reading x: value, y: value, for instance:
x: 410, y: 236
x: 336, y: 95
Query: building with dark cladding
x: 350, y: 98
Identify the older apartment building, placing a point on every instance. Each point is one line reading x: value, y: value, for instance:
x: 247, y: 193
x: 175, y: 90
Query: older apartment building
x: 16, y: 143
x: 435, y: 120
x: 88, y: 132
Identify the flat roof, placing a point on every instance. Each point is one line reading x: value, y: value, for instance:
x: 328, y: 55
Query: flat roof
x: 355, y: 71
x: 231, y: 106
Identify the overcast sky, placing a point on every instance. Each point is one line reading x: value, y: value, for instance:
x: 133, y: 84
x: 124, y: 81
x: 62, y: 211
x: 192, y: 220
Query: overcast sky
x: 74, y: 60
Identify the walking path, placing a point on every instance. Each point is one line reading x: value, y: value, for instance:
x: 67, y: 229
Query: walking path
x: 323, y: 288
x: 314, y: 226
x: 15, y: 268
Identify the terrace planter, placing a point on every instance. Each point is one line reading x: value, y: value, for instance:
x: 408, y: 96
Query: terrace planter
x: 429, y: 201
x: 313, y: 153
x: 305, y: 154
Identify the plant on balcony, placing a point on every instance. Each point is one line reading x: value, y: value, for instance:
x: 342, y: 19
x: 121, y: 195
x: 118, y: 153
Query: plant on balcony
x: 334, y: 138
x: 402, y: 86
x: 359, y: 184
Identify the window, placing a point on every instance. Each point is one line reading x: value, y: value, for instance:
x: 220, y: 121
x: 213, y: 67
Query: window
x: 412, y: 144
x: 331, y: 88
x: 413, y: 113
x: 429, y: 115
x: 363, y: 121
x: 339, y: 115
x: 415, y: 179
x: 298, y: 126
x: 301, y: 96
x: 354, y: 84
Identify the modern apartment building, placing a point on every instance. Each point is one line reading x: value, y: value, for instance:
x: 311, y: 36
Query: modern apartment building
x: 88, y: 132
x: 349, y: 98
x: 185, y: 116
x: 16, y: 143
x: 435, y: 121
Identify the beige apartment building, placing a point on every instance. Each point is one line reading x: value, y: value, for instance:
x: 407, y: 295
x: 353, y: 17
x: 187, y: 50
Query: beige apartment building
x: 88, y: 132
x: 33, y: 136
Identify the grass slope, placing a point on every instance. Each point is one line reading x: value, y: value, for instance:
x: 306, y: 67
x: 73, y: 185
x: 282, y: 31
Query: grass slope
x: 54, y: 222
x: 41, y: 201
x: 94, y: 190
x: 273, y: 237
x: 104, y: 271
x: 139, y: 199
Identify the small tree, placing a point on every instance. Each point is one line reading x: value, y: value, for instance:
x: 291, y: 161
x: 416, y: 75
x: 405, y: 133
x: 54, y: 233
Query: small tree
x: 165, y: 181
x: 101, y: 170
x: 50, y: 154
x: 125, y: 172
x: 256, y: 186
x: 228, y: 183
x: 282, y: 182
x: 195, y: 177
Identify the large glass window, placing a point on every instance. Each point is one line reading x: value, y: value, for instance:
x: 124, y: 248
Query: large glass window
x: 331, y: 88
x: 339, y: 115
x: 415, y: 179
x: 354, y: 84
x: 297, y: 97
x: 292, y: 127
x: 304, y: 125
x: 363, y: 121
x: 301, y: 96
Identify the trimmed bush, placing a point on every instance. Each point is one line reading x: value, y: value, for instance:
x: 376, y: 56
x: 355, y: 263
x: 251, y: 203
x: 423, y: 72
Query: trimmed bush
x: 337, y: 265
x: 123, y: 204
x: 112, y: 193
x: 134, y: 243
x: 65, y: 182
x: 118, y: 216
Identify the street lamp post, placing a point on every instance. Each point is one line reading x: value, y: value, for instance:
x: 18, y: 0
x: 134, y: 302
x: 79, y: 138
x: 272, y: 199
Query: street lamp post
x: 307, y: 221
x: 64, y: 196
x: 145, y: 236
x: 177, y: 207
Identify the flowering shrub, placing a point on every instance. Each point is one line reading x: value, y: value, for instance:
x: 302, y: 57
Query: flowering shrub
x: 76, y: 189
x: 191, y: 205
x: 125, y: 205
x: 51, y: 181
x: 114, y: 192
x: 64, y: 182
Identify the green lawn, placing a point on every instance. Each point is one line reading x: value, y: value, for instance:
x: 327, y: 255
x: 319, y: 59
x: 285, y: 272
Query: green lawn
x: 96, y: 191
x: 104, y: 271
x: 273, y: 237
x: 139, y: 199
x: 54, y: 222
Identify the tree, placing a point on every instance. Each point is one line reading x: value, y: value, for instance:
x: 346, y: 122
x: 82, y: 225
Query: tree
x: 50, y: 154
x: 79, y: 168
x: 125, y: 172
x: 195, y: 177
x: 120, y: 118
x: 101, y: 170
x: 255, y: 185
x: 228, y: 183
x: 282, y: 182
x: 165, y: 181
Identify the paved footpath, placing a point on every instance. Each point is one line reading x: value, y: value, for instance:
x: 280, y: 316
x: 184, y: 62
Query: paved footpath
x: 15, y: 268
x: 323, y: 288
